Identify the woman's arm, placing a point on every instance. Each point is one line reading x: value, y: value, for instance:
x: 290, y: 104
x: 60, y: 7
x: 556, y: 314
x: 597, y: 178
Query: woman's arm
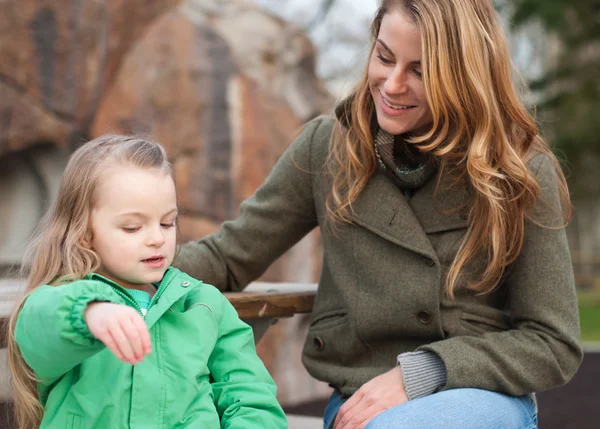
x: 543, y: 349
x: 244, y: 392
x: 51, y: 331
x: 277, y: 216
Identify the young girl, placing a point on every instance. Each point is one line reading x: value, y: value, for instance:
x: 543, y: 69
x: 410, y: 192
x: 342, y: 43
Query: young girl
x: 108, y: 334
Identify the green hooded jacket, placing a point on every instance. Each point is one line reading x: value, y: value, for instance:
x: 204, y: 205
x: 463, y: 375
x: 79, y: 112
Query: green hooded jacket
x: 203, y: 371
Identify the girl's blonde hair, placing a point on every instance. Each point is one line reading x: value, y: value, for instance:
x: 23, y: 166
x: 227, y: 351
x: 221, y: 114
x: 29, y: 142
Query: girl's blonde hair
x: 481, y: 131
x: 57, y: 252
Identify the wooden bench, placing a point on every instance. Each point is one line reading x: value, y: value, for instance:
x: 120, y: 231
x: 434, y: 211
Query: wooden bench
x: 259, y: 305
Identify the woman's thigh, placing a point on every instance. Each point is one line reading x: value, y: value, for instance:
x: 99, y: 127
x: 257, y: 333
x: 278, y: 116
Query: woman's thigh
x: 333, y: 406
x: 460, y: 409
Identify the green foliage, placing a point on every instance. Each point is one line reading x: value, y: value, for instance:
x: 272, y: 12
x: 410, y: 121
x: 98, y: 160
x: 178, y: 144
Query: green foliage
x: 589, y: 316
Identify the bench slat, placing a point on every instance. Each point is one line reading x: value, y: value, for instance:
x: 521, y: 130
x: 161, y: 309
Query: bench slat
x: 260, y: 300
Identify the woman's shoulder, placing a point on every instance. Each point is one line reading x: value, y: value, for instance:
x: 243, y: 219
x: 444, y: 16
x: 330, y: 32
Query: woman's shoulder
x: 541, y: 165
x: 322, y: 127
x: 317, y: 132
x: 548, y: 209
x: 546, y: 170
x: 311, y: 146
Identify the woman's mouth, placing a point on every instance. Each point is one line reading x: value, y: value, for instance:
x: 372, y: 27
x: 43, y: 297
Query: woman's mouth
x: 396, y: 107
x: 394, y: 110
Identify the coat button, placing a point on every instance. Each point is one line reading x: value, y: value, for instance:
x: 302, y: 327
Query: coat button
x: 185, y: 283
x: 424, y: 317
x: 318, y: 343
x: 430, y: 262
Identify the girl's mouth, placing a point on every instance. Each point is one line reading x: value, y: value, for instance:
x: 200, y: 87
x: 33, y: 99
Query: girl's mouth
x: 155, y: 261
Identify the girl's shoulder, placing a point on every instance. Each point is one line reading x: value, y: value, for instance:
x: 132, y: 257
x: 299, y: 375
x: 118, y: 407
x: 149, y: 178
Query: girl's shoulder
x: 197, y: 289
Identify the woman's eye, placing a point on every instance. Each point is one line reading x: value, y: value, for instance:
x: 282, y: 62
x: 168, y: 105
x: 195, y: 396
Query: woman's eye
x: 419, y: 73
x: 168, y: 225
x: 383, y: 59
x: 130, y: 228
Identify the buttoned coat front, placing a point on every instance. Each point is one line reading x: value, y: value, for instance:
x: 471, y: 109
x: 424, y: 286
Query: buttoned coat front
x: 381, y: 290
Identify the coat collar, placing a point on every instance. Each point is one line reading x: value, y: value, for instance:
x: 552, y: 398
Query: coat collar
x: 176, y: 284
x: 442, y: 210
x: 172, y: 287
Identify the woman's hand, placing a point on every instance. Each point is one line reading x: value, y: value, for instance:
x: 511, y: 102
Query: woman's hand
x: 120, y: 328
x: 381, y: 393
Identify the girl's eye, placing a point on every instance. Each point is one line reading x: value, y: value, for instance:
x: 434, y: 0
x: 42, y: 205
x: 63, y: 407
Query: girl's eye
x: 383, y: 59
x: 130, y: 229
x: 418, y: 73
x: 168, y: 225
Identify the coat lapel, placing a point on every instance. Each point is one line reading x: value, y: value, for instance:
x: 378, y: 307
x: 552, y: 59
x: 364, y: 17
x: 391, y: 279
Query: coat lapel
x: 438, y: 212
x: 382, y: 209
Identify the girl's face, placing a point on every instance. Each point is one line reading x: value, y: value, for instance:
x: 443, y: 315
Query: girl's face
x: 133, y: 225
x: 395, y: 77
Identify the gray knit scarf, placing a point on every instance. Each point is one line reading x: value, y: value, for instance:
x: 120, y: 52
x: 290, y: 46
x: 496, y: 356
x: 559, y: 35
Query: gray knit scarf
x: 409, y: 168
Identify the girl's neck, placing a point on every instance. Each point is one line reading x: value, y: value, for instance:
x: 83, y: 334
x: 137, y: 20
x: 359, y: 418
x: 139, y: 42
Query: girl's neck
x: 147, y: 287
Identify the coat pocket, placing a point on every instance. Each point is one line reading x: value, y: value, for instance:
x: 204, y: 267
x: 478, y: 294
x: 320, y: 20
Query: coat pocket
x: 328, y: 319
x: 481, y: 324
x: 329, y: 338
x: 74, y: 421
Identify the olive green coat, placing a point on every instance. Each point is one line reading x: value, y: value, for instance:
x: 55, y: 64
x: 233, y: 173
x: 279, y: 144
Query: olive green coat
x: 381, y: 287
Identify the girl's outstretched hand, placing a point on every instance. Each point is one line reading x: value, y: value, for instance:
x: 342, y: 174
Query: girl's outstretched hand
x: 120, y: 328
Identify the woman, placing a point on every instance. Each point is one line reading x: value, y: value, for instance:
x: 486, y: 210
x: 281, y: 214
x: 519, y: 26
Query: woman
x: 447, y: 293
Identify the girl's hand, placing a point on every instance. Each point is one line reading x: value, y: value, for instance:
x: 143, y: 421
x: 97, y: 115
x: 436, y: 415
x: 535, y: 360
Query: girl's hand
x: 120, y: 328
x: 381, y: 393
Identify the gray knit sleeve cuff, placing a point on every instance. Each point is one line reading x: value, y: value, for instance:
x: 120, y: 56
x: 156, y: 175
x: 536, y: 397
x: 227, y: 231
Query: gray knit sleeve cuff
x: 423, y: 372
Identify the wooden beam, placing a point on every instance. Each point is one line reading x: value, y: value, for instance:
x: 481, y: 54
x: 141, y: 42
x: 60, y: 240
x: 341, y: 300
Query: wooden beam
x: 259, y: 300
x: 271, y: 300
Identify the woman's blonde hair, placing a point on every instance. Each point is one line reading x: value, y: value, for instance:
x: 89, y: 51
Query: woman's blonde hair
x: 57, y: 252
x: 481, y: 131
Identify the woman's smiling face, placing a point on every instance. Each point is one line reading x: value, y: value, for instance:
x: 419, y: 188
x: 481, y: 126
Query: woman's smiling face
x: 395, y: 77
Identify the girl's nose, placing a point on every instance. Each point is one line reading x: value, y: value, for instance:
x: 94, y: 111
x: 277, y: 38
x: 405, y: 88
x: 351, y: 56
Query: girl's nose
x: 156, y: 237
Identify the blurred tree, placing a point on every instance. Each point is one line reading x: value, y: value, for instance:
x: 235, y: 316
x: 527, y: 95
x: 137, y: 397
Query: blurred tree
x: 569, y: 87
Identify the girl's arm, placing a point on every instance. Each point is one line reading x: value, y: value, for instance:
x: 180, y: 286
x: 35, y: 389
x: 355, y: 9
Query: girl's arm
x: 244, y: 392
x: 51, y: 331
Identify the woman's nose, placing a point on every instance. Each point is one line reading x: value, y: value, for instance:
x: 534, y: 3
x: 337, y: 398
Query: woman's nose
x: 395, y: 82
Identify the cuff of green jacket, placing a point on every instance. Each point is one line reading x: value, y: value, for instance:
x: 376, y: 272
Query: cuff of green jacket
x: 77, y: 315
x: 423, y: 371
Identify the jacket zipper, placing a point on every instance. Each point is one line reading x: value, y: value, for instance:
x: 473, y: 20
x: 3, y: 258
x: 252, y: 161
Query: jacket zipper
x: 127, y: 298
x: 163, y: 285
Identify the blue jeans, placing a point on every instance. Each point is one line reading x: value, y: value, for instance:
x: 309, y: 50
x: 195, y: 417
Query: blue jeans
x: 450, y: 409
